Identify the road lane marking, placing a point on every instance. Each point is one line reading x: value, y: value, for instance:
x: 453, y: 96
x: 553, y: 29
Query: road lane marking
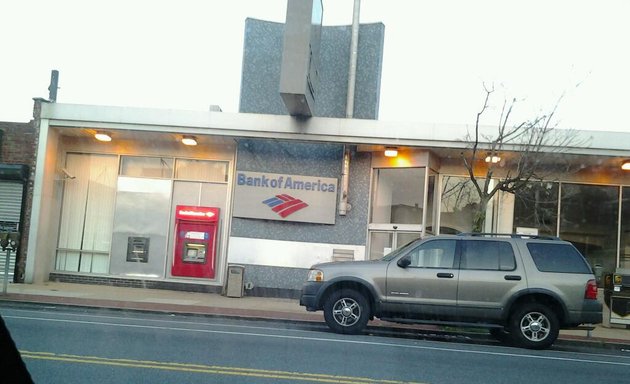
x: 207, y: 369
x: 328, y: 340
x: 214, y: 324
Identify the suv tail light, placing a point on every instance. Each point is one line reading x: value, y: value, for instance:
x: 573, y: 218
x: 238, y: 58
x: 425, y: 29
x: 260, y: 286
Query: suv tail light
x: 591, y: 290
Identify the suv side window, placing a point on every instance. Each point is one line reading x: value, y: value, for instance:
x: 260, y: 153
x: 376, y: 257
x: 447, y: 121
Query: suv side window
x: 487, y: 255
x: 562, y: 258
x: 433, y: 254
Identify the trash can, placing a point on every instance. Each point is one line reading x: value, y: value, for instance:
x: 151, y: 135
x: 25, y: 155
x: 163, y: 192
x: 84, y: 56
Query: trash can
x: 235, y: 279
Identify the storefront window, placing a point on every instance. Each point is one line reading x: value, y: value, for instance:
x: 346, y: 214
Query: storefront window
x: 589, y: 219
x: 624, y: 249
x: 87, y: 213
x: 431, y: 192
x: 398, y: 196
x: 536, y: 209
x: 459, y: 201
x: 140, y: 166
x: 201, y: 170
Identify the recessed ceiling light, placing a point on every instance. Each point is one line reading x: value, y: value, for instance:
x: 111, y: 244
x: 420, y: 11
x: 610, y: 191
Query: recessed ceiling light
x: 189, y: 140
x: 391, y: 151
x: 103, y: 136
x: 493, y: 159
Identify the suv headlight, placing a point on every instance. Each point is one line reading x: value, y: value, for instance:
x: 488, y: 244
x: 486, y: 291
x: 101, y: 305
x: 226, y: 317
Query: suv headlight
x: 315, y: 275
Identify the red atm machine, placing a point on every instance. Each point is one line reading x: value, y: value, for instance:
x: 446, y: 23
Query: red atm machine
x: 195, y: 241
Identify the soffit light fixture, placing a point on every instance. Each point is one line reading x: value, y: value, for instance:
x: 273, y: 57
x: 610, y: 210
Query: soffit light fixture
x: 626, y: 165
x: 492, y: 159
x: 391, y: 151
x: 103, y: 136
x: 189, y: 140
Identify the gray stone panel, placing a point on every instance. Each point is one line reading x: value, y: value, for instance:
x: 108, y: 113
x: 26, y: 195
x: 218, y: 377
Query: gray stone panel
x: 274, y: 277
x: 310, y: 159
x: 262, y: 57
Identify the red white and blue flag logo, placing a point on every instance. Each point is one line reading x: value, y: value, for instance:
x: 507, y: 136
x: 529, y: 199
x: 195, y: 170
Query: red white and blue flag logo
x: 284, y: 205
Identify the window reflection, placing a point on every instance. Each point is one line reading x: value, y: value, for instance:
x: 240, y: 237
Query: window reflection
x: 459, y: 201
x: 589, y: 219
x: 536, y: 209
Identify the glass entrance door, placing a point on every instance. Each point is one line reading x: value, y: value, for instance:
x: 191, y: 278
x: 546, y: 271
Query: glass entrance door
x: 383, y: 242
x: 400, y: 206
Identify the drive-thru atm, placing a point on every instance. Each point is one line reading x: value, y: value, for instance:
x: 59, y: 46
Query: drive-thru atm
x: 195, y: 241
x: 617, y: 296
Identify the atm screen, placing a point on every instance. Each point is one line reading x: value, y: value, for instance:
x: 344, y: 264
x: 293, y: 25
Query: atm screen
x: 194, y: 253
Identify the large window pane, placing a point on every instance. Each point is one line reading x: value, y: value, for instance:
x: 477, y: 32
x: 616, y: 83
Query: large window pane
x: 459, y: 201
x: 201, y: 170
x: 138, y: 166
x: 589, y: 219
x: 398, y: 196
x: 536, y: 209
x: 87, y: 213
x: 431, y: 192
x: 624, y: 250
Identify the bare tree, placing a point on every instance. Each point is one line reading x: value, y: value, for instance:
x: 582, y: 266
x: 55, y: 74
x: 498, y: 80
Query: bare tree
x: 514, y: 154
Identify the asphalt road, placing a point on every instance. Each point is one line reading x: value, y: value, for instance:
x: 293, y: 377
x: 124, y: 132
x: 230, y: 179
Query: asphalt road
x: 70, y: 345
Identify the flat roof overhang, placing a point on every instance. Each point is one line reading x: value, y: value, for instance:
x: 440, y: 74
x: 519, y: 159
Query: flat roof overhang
x: 369, y: 135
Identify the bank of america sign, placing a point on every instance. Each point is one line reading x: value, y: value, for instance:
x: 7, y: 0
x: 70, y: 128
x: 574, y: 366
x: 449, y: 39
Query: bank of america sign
x: 284, y: 197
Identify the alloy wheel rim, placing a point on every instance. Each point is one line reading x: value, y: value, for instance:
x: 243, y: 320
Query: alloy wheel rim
x: 346, y: 312
x: 535, y: 326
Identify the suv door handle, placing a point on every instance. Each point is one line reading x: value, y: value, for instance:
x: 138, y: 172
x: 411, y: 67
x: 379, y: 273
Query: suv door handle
x: 445, y: 275
x: 513, y: 277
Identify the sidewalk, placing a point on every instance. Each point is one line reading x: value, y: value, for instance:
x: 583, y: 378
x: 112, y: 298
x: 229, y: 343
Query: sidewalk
x: 249, y: 307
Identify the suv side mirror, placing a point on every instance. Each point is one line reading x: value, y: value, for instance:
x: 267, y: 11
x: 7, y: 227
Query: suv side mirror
x: 404, y: 262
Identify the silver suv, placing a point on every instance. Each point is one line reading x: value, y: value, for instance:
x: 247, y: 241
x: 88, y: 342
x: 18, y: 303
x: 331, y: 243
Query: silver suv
x: 523, y: 288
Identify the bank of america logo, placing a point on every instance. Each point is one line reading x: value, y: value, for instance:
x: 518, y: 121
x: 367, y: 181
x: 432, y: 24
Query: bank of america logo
x: 284, y: 205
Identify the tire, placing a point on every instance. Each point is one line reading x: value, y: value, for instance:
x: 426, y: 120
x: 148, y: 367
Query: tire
x: 346, y: 311
x: 533, y: 326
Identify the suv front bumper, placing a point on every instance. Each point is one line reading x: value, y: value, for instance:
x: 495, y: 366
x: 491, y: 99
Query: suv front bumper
x: 308, y: 298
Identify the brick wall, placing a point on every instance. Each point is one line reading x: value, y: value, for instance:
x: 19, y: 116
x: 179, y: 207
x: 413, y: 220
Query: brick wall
x: 18, y: 145
x: 19, y: 142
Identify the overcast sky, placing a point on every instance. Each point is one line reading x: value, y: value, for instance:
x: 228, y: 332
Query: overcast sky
x: 186, y: 54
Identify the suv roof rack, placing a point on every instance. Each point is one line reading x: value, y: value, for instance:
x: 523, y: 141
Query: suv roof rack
x: 511, y: 235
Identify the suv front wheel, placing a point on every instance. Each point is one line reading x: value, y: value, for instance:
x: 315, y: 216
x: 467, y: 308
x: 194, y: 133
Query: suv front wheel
x: 346, y: 311
x: 534, y: 326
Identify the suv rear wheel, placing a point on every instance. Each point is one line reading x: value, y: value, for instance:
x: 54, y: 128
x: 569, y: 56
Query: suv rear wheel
x: 346, y: 311
x: 534, y: 326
